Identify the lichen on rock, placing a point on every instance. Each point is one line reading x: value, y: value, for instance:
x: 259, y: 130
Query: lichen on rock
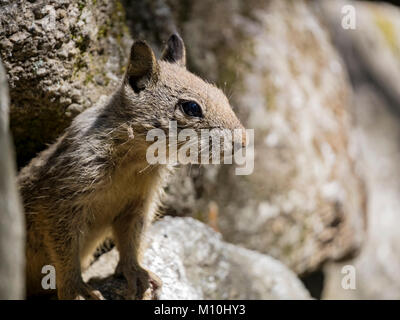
x: 60, y: 57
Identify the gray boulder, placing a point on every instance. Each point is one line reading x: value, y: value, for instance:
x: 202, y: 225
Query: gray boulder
x: 61, y: 57
x: 195, y: 263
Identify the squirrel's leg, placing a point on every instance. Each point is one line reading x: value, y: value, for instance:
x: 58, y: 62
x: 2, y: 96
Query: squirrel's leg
x: 65, y: 256
x: 128, y: 231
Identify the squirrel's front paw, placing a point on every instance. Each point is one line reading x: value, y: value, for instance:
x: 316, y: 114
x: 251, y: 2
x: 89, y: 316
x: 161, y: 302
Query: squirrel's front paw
x: 142, y: 284
x: 153, y: 292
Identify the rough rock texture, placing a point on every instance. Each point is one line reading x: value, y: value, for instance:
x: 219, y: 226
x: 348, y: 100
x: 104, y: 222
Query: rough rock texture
x: 304, y: 203
x: 12, y: 230
x: 194, y: 263
x: 60, y: 57
x: 372, y: 54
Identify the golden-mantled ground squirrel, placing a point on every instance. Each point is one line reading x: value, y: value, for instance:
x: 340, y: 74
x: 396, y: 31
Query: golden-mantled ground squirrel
x: 95, y: 181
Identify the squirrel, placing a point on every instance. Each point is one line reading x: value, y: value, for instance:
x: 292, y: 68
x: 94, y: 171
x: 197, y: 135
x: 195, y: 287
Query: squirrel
x: 94, y: 181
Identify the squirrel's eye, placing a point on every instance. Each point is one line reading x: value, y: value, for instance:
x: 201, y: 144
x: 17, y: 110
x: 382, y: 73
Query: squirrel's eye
x: 192, y: 109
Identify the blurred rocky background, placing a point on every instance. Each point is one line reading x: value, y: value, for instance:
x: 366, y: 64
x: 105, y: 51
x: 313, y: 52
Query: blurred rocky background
x: 323, y: 101
x: 372, y: 56
x: 12, y: 227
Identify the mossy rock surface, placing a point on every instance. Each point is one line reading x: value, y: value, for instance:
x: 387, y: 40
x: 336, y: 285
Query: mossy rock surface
x: 60, y: 57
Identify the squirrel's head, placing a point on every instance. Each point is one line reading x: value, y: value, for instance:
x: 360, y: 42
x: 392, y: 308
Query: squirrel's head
x: 157, y: 92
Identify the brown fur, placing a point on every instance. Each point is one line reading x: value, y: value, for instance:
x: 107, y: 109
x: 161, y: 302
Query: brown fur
x: 95, y: 181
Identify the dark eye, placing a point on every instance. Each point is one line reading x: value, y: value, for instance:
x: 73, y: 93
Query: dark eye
x: 192, y: 109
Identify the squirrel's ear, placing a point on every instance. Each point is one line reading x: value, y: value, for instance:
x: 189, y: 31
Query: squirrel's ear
x: 143, y: 67
x: 175, y: 51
